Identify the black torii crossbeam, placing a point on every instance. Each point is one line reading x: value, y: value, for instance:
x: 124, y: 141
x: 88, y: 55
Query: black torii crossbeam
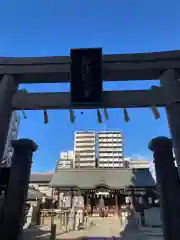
x: 164, y: 66
x: 116, y: 67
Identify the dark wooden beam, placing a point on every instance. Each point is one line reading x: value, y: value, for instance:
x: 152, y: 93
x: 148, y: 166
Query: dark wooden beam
x: 107, y: 58
x: 141, y: 66
x: 115, y: 99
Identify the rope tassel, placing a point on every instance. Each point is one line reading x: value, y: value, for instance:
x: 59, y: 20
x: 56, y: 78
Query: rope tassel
x: 72, y: 115
x: 99, y: 117
x: 126, y: 117
x: 106, y: 114
x: 46, y: 119
x: 24, y: 114
x: 155, y: 112
x: 23, y: 90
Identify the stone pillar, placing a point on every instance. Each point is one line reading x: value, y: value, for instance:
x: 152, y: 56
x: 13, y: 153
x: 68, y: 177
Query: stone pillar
x: 8, y: 87
x: 58, y: 198
x: 116, y: 203
x: 87, y: 200
x: 169, y: 185
x: 133, y: 200
x: 171, y: 86
x: 61, y: 197
x: 72, y: 196
x: 13, y: 210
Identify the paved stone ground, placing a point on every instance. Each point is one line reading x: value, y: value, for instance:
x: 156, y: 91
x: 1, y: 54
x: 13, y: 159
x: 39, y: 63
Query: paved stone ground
x: 152, y: 218
x: 100, y: 228
x: 36, y: 233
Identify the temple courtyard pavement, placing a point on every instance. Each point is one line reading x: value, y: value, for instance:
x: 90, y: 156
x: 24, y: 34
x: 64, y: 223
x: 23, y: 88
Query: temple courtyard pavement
x: 100, y: 228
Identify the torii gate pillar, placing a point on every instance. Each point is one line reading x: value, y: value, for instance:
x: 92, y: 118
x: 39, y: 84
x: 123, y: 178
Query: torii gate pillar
x: 8, y: 87
x: 171, y: 85
x: 12, y: 215
x: 169, y: 186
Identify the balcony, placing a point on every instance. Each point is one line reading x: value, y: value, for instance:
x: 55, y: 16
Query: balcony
x: 113, y: 165
x: 85, y: 144
x: 106, y: 160
x: 111, y: 145
x: 110, y: 135
x: 111, y: 155
x: 85, y: 161
x: 111, y: 140
x: 80, y: 165
x: 84, y: 149
x: 86, y: 140
x: 108, y: 149
x: 85, y: 135
x: 85, y: 157
x: 84, y: 154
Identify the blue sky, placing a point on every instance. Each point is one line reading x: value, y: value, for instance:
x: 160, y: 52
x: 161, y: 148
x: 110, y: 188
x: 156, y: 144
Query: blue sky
x: 49, y: 27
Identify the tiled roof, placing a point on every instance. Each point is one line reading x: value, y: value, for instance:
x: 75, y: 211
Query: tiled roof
x: 33, y: 194
x: 113, y: 178
x: 41, y: 177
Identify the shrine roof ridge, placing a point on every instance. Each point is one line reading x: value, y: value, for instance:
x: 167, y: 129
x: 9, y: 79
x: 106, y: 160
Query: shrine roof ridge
x: 36, y: 177
x: 113, y: 178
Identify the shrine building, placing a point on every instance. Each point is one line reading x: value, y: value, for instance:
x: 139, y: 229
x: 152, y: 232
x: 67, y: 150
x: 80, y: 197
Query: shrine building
x: 113, y: 186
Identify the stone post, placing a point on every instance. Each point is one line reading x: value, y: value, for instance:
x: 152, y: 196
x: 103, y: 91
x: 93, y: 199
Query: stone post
x: 53, y: 232
x: 133, y: 202
x: 169, y: 185
x: 171, y: 86
x: 8, y: 87
x: 116, y: 204
x: 13, y: 211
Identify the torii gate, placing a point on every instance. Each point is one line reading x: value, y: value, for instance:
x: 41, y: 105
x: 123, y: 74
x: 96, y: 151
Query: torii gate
x: 116, y: 67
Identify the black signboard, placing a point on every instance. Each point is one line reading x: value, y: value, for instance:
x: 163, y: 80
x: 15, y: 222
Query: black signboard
x: 86, y: 76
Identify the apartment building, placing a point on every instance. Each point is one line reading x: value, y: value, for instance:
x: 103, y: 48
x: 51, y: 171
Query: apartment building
x: 85, y: 149
x: 130, y: 163
x: 66, y: 160
x: 110, y: 149
x: 12, y: 135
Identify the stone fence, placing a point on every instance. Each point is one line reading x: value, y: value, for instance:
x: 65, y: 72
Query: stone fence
x: 66, y: 220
